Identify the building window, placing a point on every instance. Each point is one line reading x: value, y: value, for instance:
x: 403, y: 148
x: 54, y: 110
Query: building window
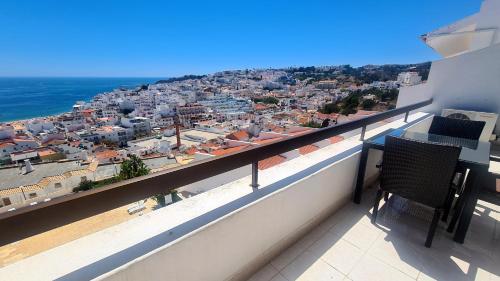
x: 58, y: 185
x: 32, y: 195
x: 6, y: 201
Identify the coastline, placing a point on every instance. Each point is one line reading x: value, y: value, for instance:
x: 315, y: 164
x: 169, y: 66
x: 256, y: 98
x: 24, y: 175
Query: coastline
x: 27, y: 98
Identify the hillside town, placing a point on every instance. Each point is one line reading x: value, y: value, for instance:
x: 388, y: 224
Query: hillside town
x: 176, y: 121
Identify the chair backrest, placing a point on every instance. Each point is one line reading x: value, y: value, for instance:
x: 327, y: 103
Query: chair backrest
x: 419, y: 171
x: 460, y: 128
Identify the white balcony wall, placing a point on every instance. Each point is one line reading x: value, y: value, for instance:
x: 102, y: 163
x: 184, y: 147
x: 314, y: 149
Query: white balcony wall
x: 469, y: 81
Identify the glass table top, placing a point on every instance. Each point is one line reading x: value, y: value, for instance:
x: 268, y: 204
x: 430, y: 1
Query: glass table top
x: 476, y: 152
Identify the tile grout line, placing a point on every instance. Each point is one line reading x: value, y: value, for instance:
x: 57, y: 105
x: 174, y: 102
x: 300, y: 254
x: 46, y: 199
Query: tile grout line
x: 303, y: 251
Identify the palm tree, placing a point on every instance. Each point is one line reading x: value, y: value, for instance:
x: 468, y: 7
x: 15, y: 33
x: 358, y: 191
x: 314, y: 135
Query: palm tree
x: 133, y: 167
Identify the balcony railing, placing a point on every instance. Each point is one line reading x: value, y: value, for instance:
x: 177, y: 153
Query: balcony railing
x: 32, y: 220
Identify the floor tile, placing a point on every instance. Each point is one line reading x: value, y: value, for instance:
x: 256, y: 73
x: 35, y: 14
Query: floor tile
x: 296, y: 249
x: 337, y: 252
x: 399, y: 254
x: 279, y: 277
x: 308, y: 267
x: 371, y: 269
x: 358, y: 234
x: 444, y: 267
x: 264, y: 274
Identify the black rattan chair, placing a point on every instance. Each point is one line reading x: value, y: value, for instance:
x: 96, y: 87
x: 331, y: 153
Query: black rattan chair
x: 418, y: 171
x: 458, y: 128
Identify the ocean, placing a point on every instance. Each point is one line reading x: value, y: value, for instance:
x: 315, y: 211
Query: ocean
x: 24, y: 98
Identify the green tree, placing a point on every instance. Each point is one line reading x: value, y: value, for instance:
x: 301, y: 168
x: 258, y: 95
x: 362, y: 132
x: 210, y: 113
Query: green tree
x: 133, y: 167
x: 329, y: 108
x: 368, y: 104
x: 348, y: 110
x: 267, y: 100
x: 350, y: 103
x: 84, y: 185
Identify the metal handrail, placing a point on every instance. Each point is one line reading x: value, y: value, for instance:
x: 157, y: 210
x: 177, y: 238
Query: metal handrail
x: 31, y: 220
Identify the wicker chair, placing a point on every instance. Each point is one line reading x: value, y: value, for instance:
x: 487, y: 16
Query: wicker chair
x: 418, y: 171
x: 460, y: 128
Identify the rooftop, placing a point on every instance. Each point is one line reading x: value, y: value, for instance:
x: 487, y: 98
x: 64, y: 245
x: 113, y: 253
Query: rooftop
x: 11, y: 177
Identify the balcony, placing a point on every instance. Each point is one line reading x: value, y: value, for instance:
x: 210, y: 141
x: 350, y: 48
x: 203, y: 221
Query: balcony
x: 298, y: 224
x: 347, y: 246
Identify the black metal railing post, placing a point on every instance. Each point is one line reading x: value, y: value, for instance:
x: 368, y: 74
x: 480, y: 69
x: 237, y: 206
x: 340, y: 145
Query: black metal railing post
x: 255, y: 175
x: 363, y: 131
x: 406, y: 116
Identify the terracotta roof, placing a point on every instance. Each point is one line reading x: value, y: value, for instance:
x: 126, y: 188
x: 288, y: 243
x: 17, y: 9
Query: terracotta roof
x: 239, y: 135
x: 336, y: 139
x: 46, y: 152
x: 192, y: 150
x: 307, y: 149
x: 106, y: 129
x: 225, y: 151
x: 266, y: 141
x: 106, y: 154
x: 271, y: 161
x: 297, y: 133
x: 31, y: 187
x: 274, y: 128
x: 10, y: 191
x: 6, y: 144
x: 23, y: 140
x: 209, y: 144
x: 54, y: 142
x: 260, y: 107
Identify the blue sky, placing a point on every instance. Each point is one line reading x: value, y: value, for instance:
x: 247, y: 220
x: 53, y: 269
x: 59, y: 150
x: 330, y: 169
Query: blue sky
x: 170, y: 38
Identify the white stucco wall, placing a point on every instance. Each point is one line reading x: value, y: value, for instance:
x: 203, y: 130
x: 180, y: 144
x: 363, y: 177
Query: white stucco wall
x: 469, y: 82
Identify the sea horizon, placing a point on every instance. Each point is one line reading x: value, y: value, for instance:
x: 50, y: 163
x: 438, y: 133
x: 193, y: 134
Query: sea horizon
x: 24, y: 97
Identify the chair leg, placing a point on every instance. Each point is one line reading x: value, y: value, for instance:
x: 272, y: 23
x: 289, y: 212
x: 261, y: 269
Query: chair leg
x: 448, y: 204
x: 375, y: 206
x: 456, y: 215
x: 386, y: 196
x: 432, y: 229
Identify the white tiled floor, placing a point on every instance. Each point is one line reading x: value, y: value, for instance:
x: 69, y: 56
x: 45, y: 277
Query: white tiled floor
x: 347, y: 246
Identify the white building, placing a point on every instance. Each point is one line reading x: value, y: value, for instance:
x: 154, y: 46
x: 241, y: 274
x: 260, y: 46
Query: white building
x: 114, y: 134
x: 38, y: 126
x: 409, y: 78
x: 6, y: 132
x: 140, y: 125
